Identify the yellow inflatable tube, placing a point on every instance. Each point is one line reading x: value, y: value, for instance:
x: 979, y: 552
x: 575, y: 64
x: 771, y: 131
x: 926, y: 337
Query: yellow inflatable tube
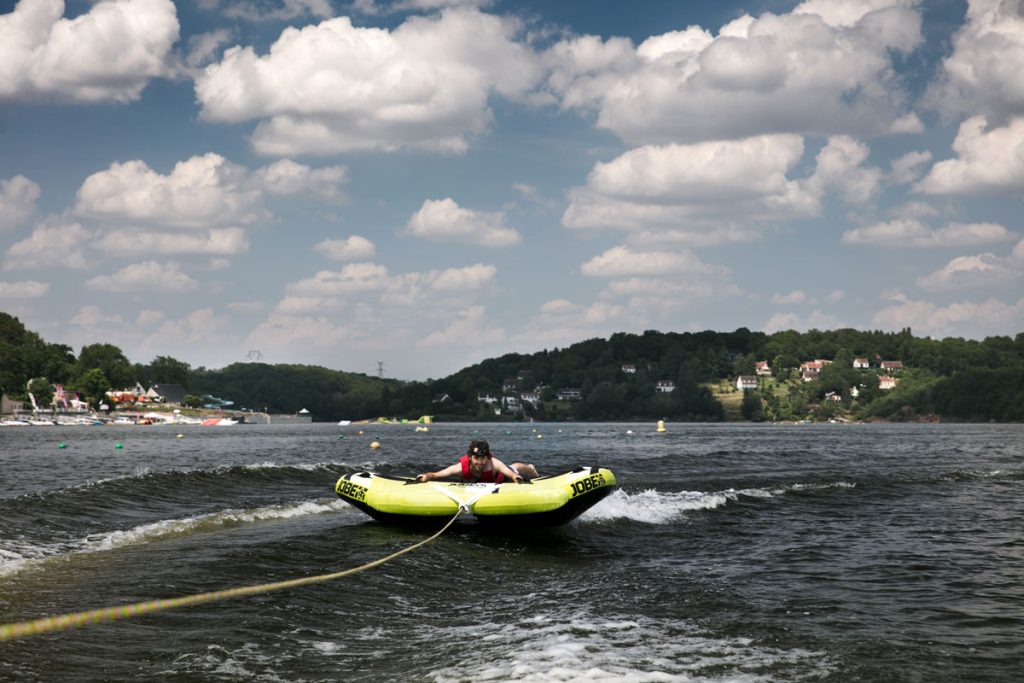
x: 544, y: 501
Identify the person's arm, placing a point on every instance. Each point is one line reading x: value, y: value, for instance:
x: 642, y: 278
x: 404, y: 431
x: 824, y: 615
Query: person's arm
x: 449, y: 471
x: 506, y: 470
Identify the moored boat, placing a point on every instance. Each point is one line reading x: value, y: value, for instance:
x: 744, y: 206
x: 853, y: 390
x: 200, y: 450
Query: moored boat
x: 544, y: 501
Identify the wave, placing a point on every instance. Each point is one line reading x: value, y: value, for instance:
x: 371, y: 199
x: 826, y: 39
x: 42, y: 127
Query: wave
x: 965, y: 475
x: 144, y: 481
x: 655, y: 507
x: 17, y: 555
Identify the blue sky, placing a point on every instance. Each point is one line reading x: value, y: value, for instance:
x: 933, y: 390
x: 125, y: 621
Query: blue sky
x: 425, y: 183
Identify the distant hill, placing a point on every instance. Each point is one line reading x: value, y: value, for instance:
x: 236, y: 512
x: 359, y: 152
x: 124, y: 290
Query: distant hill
x: 687, y: 376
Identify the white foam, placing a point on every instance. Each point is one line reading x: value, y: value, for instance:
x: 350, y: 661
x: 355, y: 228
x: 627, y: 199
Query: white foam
x: 655, y: 507
x: 14, y: 556
x: 581, y: 647
x: 652, y: 506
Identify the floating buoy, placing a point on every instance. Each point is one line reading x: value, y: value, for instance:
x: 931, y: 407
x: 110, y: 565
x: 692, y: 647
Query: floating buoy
x: 540, y: 436
x: 661, y: 425
x: 360, y: 432
x: 118, y: 445
x: 180, y: 436
x: 62, y: 445
x: 629, y: 431
x: 375, y: 444
x: 341, y: 436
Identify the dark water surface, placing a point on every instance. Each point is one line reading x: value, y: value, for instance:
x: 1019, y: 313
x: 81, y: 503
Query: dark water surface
x: 730, y: 553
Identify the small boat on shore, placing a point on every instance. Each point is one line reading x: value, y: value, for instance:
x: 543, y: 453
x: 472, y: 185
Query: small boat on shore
x: 541, y: 502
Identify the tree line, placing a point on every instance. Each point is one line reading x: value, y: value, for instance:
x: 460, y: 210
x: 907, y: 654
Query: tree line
x: 950, y: 378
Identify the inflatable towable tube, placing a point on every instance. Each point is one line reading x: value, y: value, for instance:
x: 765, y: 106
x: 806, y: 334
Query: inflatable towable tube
x: 544, y: 501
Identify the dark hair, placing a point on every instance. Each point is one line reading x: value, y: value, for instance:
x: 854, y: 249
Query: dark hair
x: 479, y: 447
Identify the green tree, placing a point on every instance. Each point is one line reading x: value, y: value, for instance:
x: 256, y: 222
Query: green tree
x: 93, y: 386
x: 165, y: 370
x: 109, y: 359
x: 751, y: 407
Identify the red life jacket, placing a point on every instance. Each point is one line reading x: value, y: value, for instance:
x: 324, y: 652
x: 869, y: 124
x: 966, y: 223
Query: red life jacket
x: 488, y: 476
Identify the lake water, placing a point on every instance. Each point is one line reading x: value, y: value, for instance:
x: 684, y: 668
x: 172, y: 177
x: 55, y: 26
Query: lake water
x: 729, y: 553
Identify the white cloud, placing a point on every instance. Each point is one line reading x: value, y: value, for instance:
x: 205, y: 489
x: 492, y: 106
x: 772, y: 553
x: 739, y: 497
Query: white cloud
x: 246, y: 306
x: 983, y: 74
x: 424, y: 84
x: 202, y: 192
x: 352, y: 278
x: 468, y: 279
x: 840, y: 166
x: 53, y: 244
x: 349, y: 249
x: 823, y: 69
x: 816, y: 320
x: 18, y: 197
x: 665, y: 186
x: 909, y: 167
x: 622, y: 260
x: 908, y: 232
x: 969, y: 272
x: 989, y: 160
x: 148, y: 276
x: 295, y: 337
x: 91, y: 315
x: 28, y: 289
x: 203, y: 47
x: 305, y: 305
x: 202, y: 326
x: 285, y: 177
x: 796, y: 297
x: 252, y: 10
x: 561, y: 322
x: 443, y: 220
x: 969, y: 319
x: 107, y: 54
x: 664, y: 299
x: 148, y: 317
x: 219, y: 241
x: 469, y: 330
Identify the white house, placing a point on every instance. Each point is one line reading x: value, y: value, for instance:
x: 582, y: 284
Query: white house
x: 891, y: 365
x: 809, y: 371
x: 861, y: 364
x: 761, y: 369
x: 489, y: 399
x: 746, y: 382
x: 629, y: 368
x: 665, y: 386
x: 886, y: 382
x: 531, y: 397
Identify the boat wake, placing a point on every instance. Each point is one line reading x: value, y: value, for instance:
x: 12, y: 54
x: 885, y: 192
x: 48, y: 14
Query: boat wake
x: 656, y: 507
x: 16, y: 556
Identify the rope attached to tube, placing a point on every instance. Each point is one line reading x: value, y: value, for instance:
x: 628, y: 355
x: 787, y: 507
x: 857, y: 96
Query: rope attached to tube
x: 65, y: 622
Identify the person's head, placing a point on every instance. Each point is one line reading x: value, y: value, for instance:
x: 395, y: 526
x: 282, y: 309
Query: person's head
x: 479, y: 450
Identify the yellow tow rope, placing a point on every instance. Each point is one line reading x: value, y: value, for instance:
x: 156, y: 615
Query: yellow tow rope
x: 64, y: 622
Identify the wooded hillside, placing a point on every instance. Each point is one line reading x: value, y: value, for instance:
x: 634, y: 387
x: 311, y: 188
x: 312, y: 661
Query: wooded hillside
x: 624, y: 377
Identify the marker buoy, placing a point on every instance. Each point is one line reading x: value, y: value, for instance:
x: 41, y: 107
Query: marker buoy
x: 62, y: 445
x: 118, y: 445
x: 375, y: 445
x: 540, y: 436
x: 180, y: 436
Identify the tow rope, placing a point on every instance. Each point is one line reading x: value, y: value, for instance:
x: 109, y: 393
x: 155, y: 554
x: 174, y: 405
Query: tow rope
x: 65, y: 622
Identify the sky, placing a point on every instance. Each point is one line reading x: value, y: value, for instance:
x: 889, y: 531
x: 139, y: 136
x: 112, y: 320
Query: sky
x: 407, y: 187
